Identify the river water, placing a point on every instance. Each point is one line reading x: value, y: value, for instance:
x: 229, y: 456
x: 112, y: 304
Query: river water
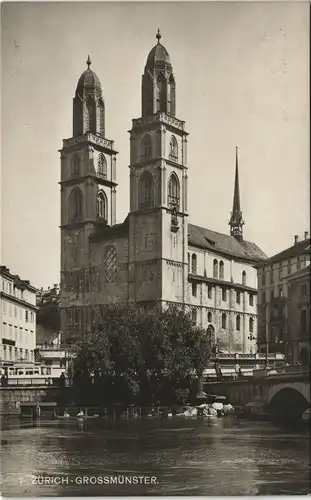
x: 225, y: 456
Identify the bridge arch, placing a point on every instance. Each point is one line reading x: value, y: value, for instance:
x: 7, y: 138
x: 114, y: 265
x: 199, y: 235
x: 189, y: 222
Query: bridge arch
x: 288, y: 403
x: 303, y: 387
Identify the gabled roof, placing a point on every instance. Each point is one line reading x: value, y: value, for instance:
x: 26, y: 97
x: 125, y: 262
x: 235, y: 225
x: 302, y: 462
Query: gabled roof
x: 224, y: 244
x: 116, y: 231
x: 300, y: 248
x: 305, y: 271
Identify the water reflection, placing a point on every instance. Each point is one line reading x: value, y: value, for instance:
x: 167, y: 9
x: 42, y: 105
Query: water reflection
x: 224, y: 457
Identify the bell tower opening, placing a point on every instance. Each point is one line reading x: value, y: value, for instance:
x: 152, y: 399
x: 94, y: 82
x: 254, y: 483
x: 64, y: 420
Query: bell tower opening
x: 158, y: 82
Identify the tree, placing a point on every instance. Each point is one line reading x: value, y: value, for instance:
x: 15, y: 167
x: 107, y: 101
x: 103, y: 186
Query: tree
x: 48, y: 315
x: 144, y: 355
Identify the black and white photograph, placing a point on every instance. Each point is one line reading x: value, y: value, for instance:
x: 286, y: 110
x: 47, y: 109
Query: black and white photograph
x: 155, y: 248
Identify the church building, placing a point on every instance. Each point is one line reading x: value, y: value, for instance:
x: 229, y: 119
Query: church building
x: 155, y: 255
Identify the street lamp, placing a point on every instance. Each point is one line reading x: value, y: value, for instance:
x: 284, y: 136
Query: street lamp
x: 267, y: 349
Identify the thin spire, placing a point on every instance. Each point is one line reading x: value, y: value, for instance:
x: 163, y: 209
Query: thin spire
x: 236, y: 219
x: 88, y: 62
x: 158, y: 35
x: 236, y: 197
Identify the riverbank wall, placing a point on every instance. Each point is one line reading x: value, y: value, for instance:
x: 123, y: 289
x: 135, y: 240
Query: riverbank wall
x: 11, y: 398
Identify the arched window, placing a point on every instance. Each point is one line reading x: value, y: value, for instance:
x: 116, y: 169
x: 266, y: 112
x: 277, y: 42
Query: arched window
x: 101, y: 118
x: 194, y: 264
x: 75, y: 164
x: 223, y: 320
x: 215, y: 268
x: 110, y: 264
x: 209, y: 317
x: 75, y: 206
x: 173, y: 191
x: 90, y: 116
x: 173, y: 148
x: 171, y: 96
x: 251, y: 325
x: 161, y: 93
x: 238, y: 323
x: 102, y: 166
x: 146, y: 144
x: 244, y: 278
x: 102, y: 206
x: 221, y: 270
x: 146, y: 195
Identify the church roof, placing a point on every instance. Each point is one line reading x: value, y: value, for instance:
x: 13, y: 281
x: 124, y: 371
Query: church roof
x: 116, y: 231
x: 300, y: 248
x: 305, y: 271
x: 224, y: 244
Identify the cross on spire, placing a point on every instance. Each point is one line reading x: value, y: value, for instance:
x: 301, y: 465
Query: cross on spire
x: 88, y: 62
x: 158, y: 35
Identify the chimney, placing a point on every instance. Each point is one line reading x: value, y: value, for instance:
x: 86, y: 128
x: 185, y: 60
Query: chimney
x: 306, y: 235
x: 296, y: 238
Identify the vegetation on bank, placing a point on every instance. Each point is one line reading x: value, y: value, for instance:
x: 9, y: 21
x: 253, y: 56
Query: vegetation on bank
x: 142, y: 356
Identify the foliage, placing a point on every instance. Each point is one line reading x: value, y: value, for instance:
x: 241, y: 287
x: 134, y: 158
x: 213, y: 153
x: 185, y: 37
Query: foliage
x: 48, y: 315
x: 144, y: 355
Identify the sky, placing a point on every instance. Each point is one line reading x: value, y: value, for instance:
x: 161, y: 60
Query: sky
x: 242, y: 78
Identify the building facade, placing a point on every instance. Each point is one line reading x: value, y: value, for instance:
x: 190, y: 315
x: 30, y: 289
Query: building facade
x: 297, y: 343
x: 273, y: 280
x: 155, y: 255
x: 18, y: 319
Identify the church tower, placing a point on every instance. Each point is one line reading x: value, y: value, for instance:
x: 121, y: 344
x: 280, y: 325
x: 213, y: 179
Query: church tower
x: 158, y: 237
x: 236, y: 220
x: 88, y: 194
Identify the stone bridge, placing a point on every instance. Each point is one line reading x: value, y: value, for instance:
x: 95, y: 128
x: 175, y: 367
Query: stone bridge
x: 278, y: 395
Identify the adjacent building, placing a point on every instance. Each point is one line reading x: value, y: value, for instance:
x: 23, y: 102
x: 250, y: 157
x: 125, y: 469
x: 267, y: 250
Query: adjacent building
x: 155, y: 255
x: 297, y: 342
x: 274, y: 278
x: 17, y: 320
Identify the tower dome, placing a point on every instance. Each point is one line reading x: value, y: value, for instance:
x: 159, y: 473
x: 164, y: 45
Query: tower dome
x: 88, y: 104
x: 158, y: 54
x: 88, y: 79
x: 158, y: 82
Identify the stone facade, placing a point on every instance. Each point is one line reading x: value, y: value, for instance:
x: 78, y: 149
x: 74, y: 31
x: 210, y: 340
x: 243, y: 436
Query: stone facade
x: 273, y: 279
x: 297, y: 343
x: 17, y: 319
x: 147, y: 258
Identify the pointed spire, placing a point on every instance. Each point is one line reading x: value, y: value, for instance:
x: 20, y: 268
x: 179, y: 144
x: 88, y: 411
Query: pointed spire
x: 88, y: 62
x: 158, y: 35
x: 236, y: 196
x: 236, y: 219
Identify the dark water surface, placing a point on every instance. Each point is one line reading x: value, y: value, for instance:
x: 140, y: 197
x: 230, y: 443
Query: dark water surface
x: 188, y: 457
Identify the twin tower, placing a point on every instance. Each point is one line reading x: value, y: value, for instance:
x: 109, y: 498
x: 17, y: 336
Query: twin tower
x: 144, y: 259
